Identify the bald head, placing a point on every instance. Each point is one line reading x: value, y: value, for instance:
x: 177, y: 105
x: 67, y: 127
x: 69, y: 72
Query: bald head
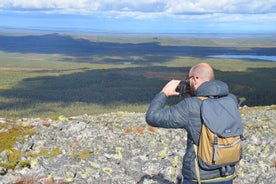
x: 204, y: 71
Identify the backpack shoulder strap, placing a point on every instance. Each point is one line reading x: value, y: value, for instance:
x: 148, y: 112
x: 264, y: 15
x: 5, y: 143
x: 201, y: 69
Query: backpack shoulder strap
x: 197, y: 165
x: 196, y: 150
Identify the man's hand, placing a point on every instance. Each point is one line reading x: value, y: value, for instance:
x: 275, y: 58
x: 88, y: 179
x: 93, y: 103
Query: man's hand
x: 169, y: 88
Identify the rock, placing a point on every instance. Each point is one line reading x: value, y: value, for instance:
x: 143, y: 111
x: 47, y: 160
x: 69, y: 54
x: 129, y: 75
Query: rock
x: 122, y: 148
x: 3, y: 171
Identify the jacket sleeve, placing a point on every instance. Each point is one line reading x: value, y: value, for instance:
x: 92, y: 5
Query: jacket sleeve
x: 172, y: 117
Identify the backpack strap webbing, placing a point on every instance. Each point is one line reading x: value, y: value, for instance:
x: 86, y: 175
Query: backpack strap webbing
x: 196, y: 165
x: 202, y: 97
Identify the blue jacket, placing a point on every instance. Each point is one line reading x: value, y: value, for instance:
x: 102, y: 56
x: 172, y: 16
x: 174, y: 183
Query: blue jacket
x: 186, y: 115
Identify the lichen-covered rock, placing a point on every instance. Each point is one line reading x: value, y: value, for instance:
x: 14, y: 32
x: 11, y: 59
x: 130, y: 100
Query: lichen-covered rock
x: 121, y: 148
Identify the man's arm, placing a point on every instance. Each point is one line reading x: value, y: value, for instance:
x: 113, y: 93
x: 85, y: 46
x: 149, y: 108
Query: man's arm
x: 175, y: 116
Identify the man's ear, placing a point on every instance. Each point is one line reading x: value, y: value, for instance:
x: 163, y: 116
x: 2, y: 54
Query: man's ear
x: 196, y: 81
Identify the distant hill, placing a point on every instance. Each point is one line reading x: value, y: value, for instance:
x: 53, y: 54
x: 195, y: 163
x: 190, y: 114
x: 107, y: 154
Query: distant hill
x: 68, y: 45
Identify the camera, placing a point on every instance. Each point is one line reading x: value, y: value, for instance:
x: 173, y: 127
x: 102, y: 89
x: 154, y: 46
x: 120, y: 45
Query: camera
x: 184, y: 87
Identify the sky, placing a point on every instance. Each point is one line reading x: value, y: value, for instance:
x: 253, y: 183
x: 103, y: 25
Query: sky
x: 141, y: 16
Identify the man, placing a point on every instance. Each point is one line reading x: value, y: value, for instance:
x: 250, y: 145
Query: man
x: 186, y: 114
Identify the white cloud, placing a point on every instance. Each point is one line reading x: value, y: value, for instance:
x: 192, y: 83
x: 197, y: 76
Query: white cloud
x: 60, y: 5
x: 221, y: 6
x: 136, y: 7
x: 175, y: 15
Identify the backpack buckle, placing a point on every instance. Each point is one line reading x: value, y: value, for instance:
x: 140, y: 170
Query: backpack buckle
x: 224, y: 171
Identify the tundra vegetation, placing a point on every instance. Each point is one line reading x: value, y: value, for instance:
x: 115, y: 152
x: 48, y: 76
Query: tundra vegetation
x: 57, y: 74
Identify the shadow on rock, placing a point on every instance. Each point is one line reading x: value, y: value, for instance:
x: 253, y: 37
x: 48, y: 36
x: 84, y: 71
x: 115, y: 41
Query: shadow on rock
x: 160, y: 179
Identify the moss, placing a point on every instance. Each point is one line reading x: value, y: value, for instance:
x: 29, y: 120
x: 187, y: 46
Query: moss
x: 2, y: 127
x: 266, y: 119
x: 11, y: 134
x: 8, y: 166
x: 45, y: 152
x: 14, y: 159
x: 83, y: 154
x: 54, y: 152
x: 25, y: 163
x: 15, y: 156
x: 9, y: 137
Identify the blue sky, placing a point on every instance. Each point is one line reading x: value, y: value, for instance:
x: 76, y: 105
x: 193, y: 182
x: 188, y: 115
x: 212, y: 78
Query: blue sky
x: 141, y: 16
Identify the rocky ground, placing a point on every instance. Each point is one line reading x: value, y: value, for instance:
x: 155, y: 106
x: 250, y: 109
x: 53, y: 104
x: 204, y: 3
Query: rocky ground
x: 120, y: 148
